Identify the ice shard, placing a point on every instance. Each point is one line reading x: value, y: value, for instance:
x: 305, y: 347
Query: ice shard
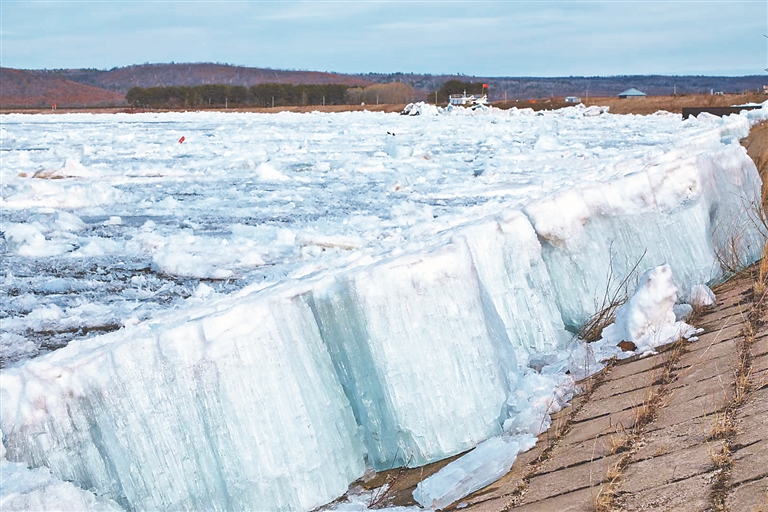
x: 488, y: 462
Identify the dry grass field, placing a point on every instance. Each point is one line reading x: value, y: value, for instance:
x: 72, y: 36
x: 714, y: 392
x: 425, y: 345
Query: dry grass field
x: 641, y: 106
x: 757, y: 145
x: 757, y: 148
x: 651, y: 104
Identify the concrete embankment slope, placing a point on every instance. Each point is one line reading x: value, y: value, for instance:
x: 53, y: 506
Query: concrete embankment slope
x: 686, y: 429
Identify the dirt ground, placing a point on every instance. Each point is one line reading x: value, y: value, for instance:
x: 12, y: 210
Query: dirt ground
x: 757, y: 146
x: 644, y: 106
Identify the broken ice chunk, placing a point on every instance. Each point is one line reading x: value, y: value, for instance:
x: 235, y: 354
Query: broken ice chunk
x: 488, y: 462
x: 702, y: 296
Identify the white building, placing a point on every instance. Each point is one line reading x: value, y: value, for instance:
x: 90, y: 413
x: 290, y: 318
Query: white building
x: 465, y: 99
x: 631, y: 93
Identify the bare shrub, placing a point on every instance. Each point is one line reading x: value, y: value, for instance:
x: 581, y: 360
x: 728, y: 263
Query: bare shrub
x: 614, y: 296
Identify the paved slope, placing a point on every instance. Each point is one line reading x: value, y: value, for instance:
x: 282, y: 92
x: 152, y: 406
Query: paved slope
x: 684, y: 430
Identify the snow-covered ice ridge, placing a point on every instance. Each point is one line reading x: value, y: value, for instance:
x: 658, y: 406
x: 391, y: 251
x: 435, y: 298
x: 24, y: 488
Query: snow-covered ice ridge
x: 368, y: 296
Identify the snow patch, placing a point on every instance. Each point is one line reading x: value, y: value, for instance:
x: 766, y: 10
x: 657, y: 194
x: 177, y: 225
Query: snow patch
x: 648, y: 319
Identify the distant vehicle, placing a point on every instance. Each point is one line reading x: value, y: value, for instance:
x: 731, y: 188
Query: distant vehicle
x: 572, y: 99
x: 471, y: 100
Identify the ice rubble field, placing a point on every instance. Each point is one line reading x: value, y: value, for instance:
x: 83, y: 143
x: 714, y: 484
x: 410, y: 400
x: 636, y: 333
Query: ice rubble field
x: 294, y: 296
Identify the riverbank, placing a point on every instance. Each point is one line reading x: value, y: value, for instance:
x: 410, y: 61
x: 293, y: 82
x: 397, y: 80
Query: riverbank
x: 642, y: 106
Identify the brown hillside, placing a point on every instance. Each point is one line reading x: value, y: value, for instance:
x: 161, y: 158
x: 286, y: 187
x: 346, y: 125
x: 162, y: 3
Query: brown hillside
x: 22, y: 89
x: 161, y: 75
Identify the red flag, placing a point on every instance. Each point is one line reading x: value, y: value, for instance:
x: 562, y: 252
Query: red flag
x: 182, y: 139
x: 485, y: 86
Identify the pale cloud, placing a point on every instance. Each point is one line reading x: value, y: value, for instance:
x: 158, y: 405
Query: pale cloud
x: 490, y: 38
x: 446, y: 26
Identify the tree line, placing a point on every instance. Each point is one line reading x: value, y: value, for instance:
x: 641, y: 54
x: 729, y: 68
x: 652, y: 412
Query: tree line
x: 221, y: 95
x: 266, y: 95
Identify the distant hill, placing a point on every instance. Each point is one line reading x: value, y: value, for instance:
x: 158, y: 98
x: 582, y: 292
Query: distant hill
x: 20, y: 88
x: 163, y: 75
x: 95, y: 88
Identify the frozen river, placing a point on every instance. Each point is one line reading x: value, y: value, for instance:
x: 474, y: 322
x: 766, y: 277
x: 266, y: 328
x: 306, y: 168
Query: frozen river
x: 138, y: 220
x: 318, y: 292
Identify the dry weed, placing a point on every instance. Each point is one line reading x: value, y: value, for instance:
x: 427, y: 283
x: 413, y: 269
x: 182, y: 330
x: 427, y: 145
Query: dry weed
x: 721, y: 475
x: 720, y: 458
x: 730, y: 256
x: 615, y: 295
x: 620, y: 442
x: 761, y: 162
x: 723, y: 426
x: 651, y: 104
x: 605, y: 499
x: 743, y: 387
x: 643, y: 414
x: 515, y: 497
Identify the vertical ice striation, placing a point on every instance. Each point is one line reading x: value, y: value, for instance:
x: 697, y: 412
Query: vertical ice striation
x: 237, y: 410
x: 515, y: 283
x: 424, y: 370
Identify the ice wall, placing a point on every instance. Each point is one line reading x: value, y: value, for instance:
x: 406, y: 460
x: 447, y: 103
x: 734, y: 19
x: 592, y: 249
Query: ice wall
x: 238, y: 409
x: 275, y: 399
x: 424, y: 366
x: 681, y: 209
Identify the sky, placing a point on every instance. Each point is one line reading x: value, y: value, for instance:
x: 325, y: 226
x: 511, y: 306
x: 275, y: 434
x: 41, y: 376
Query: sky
x: 479, y: 38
